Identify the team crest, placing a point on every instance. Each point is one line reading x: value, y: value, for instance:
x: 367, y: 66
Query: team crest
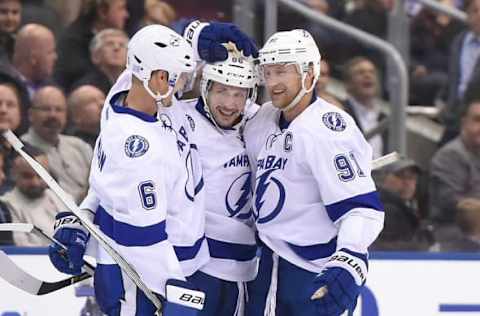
x: 334, y: 121
x: 136, y: 146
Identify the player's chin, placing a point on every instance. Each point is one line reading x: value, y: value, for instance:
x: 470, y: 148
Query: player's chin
x: 279, y: 103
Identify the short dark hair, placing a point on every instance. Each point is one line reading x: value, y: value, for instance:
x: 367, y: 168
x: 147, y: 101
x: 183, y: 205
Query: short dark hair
x: 347, y: 67
x: 468, y: 104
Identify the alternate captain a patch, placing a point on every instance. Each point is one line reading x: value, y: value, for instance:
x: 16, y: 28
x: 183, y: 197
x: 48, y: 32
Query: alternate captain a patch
x: 136, y: 146
x: 334, y: 121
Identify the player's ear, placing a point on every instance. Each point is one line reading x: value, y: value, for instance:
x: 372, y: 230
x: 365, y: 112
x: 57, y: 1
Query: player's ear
x: 310, y: 76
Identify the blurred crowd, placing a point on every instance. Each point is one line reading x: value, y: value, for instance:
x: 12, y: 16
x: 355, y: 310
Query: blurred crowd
x: 58, y: 60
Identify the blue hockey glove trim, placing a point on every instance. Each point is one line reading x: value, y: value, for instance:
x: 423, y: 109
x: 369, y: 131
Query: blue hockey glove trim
x: 69, y: 232
x: 208, y: 39
x: 337, y: 287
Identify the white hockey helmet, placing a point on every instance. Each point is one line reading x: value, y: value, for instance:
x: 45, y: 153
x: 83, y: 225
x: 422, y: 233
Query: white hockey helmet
x: 293, y: 47
x: 157, y: 47
x: 237, y: 71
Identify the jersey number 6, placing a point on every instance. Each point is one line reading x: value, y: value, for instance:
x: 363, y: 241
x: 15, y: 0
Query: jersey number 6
x: 147, y: 194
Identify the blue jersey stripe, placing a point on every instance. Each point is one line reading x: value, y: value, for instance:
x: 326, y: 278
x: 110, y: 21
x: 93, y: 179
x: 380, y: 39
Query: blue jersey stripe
x: 317, y: 251
x: 227, y: 250
x: 129, y: 235
x: 188, y: 252
x: 367, y: 200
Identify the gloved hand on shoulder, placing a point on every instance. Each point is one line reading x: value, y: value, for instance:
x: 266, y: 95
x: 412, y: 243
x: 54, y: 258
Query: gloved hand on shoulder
x: 208, y: 39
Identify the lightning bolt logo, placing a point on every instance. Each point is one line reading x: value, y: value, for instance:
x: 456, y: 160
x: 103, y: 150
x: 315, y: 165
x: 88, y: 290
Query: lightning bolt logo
x: 263, y: 183
x: 245, y: 194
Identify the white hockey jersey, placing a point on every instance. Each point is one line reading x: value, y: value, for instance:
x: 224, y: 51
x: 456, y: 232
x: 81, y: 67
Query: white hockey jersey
x: 148, y: 184
x: 227, y: 174
x: 309, y: 175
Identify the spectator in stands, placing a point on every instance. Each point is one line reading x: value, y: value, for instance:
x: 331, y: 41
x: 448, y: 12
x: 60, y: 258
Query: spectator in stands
x: 455, y: 174
x: 468, y: 220
x: 10, y: 15
x: 74, y: 59
x: 85, y: 106
x: 69, y: 157
x: 30, y: 201
x: 108, y: 53
x: 10, y: 18
x: 397, y: 185
x: 431, y: 35
x: 5, y: 237
x: 34, y: 56
x: 10, y: 118
x: 158, y: 12
x: 362, y: 84
x: 464, y: 66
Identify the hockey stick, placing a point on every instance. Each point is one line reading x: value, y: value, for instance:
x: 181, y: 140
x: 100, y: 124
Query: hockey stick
x: 17, y: 277
x: 94, y: 231
x: 30, y: 228
x: 385, y: 160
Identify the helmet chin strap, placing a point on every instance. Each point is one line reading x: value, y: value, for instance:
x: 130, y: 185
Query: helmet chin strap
x: 303, y: 91
x: 157, y: 96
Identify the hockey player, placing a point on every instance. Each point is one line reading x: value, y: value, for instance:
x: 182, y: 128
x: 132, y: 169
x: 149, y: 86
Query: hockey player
x: 316, y: 205
x: 228, y: 91
x: 146, y: 183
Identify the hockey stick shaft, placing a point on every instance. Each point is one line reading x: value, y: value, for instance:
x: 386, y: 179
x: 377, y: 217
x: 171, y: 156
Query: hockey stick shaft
x: 94, y: 231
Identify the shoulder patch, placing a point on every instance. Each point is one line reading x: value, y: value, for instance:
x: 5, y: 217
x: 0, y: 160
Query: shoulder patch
x: 136, y: 146
x: 334, y: 121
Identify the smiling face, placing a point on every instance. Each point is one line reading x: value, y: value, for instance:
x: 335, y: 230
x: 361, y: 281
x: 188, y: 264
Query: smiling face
x: 283, y: 82
x: 226, y: 103
x: 362, y: 81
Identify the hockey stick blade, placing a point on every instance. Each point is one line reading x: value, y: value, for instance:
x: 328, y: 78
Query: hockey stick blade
x: 385, y: 160
x: 20, y: 279
x: 16, y: 227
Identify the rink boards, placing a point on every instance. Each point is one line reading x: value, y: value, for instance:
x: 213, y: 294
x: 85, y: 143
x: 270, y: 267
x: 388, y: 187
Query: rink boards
x: 398, y: 284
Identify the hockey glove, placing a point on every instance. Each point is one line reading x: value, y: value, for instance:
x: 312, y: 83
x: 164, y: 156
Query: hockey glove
x: 337, y: 287
x: 71, y: 233
x: 209, y: 37
x: 182, y: 299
